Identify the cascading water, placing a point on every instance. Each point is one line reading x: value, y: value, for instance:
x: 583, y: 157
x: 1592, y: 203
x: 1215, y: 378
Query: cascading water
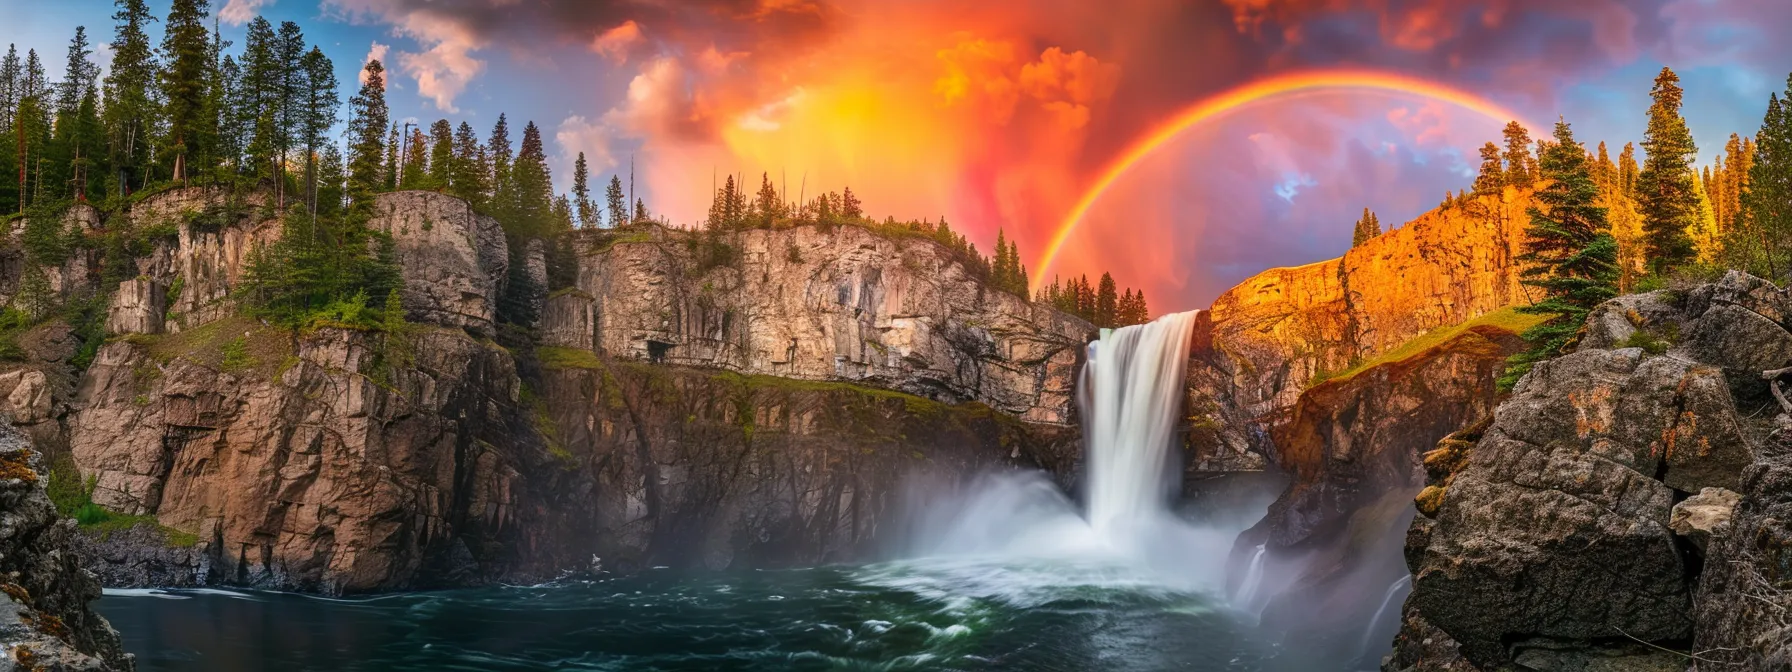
x: 1253, y: 577
x: 1369, y: 632
x: 1130, y: 394
x: 1132, y: 391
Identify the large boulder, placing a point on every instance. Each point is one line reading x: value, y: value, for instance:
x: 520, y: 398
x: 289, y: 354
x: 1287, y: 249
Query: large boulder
x: 1575, y: 535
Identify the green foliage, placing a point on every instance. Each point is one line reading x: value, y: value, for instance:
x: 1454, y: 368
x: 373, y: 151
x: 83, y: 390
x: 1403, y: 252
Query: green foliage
x: 236, y: 356
x: 13, y: 322
x: 74, y: 499
x: 1568, y: 253
x: 47, y: 241
x: 321, y: 272
x: 1667, y: 186
x: 1654, y: 342
x: 1367, y: 228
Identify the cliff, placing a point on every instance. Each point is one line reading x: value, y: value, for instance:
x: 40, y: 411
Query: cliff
x: 1269, y: 338
x: 841, y: 303
x: 1624, y: 509
x: 1351, y: 448
x: 45, y: 620
x: 745, y: 400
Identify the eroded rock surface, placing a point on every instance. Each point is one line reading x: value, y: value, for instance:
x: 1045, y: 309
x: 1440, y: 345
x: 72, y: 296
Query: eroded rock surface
x: 1553, y: 545
x: 842, y: 304
x: 453, y: 258
x: 45, y: 619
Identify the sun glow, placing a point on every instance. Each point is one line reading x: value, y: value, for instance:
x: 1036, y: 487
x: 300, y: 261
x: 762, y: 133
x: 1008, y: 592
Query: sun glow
x: 1275, y: 88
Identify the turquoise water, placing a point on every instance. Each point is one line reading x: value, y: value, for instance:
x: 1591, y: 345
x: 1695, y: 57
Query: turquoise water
x: 912, y: 615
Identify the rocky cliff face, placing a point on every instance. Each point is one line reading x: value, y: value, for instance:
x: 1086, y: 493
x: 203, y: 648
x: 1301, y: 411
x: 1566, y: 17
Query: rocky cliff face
x: 642, y: 430
x: 1352, y: 448
x: 45, y: 622
x: 1269, y: 338
x: 839, y: 304
x: 1596, y: 522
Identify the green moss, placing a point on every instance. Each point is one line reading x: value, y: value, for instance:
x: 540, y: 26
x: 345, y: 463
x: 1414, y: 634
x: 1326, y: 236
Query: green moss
x: 1653, y: 341
x: 1506, y: 319
x: 74, y: 499
x: 556, y: 358
x: 236, y: 356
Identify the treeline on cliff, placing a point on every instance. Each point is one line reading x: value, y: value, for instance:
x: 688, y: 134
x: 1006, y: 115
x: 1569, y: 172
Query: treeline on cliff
x: 1599, y: 227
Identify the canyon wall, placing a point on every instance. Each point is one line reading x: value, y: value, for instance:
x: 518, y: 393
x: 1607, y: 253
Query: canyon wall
x: 1275, y: 334
x: 754, y: 399
x: 838, y: 304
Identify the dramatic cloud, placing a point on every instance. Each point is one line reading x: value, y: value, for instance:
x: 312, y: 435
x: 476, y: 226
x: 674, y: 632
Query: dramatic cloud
x: 239, y: 12
x: 616, y: 43
x: 998, y: 116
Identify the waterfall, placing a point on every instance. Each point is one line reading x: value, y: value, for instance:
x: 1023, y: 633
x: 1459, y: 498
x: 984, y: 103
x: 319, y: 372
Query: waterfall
x: 1130, y: 394
x: 1131, y: 397
x: 1369, y: 632
x: 1247, y: 590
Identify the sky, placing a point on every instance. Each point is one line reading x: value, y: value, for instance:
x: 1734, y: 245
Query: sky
x: 1001, y: 115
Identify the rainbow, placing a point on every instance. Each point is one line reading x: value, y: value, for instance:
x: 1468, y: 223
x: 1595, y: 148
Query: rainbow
x: 1294, y: 83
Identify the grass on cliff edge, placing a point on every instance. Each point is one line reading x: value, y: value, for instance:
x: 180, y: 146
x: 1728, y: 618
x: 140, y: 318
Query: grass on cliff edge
x: 1506, y: 319
x: 74, y: 499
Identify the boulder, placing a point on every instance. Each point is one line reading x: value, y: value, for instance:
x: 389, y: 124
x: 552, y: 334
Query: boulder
x: 1702, y: 514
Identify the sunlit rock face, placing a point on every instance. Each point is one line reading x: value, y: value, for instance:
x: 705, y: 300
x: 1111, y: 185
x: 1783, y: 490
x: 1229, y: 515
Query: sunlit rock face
x: 1558, y: 526
x: 1269, y: 338
x: 839, y: 304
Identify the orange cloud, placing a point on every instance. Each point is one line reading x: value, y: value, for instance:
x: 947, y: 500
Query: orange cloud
x: 615, y: 43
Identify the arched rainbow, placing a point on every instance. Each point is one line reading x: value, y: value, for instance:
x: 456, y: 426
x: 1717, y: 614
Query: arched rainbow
x: 1303, y: 82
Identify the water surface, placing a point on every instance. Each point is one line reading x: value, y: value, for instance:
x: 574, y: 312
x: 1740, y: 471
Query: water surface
x: 947, y: 614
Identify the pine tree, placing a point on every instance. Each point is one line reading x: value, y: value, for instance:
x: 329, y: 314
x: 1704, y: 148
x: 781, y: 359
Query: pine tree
x: 326, y: 201
x: 292, y: 91
x: 1767, y: 204
x: 1627, y: 169
x: 641, y: 215
x: 392, y: 166
x: 1704, y: 233
x: 1567, y: 254
x: 130, y: 112
x: 1366, y: 228
x: 467, y: 179
x: 498, y: 151
x: 1107, y: 300
x: 441, y: 155
x: 613, y: 200
x: 367, y: 129
x: 185, y: 84
x: 415, y: 171
x: 259, y: 97
x: 11, y: 74
x: 583, y: 208
x: 1667, y: 185
x: 1493, y: 173
x: 533, y: 185
x: 1518, y: 156
x: 319, y: 114
x: 850, y: 206
x: 767, y: 205
x: 1604, y: 171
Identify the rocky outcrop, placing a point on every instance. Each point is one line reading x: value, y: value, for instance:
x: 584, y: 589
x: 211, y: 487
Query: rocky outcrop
x: 137, y: 307
x: 453, y: 258
x: 1269, y: 338
x: 45, y: 619
x: 1553, y: 543
x: 842, y: 304
x: 1353, y: 451
x: 334, y: 462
